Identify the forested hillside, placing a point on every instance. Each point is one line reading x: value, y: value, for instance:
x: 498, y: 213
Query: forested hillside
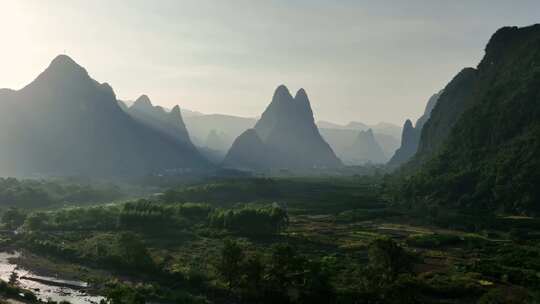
x: 481, y: 146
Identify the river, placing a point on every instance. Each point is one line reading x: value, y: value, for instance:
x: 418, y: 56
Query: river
x: 45, y: 288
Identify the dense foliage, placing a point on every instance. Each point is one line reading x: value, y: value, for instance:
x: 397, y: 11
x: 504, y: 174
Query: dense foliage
x: 250, y: 220
x: 491, y: 158
x: 300, y: 249
x: 284, y: 277
x: 312, y: 195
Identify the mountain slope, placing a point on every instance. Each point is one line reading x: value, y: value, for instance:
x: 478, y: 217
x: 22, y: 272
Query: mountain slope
x: 288, y: 129
x: 481, y: 147
x: 66, y: 123
x: 410, y: 136
x: 170, y: 123
x: 249, y: 152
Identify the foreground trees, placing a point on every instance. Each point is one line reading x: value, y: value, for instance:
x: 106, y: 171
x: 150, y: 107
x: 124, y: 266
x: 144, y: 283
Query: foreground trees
x: 13, y: 218
x: 284, y: 277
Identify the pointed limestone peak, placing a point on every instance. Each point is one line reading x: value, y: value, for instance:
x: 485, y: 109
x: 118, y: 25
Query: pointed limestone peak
x: 302, y: 104
x: 408, y: 125
x: 63, y: 68
x: 105, y: 87
x: 64, y: 61
x: 143, y: 101
x: 281, y: 94
x: 176, y: 110
x: 408, y: 132
x: 176, y: 113
x: 301, y: 94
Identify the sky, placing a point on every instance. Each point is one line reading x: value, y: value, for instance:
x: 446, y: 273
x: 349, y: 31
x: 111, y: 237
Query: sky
x: 368, y: 61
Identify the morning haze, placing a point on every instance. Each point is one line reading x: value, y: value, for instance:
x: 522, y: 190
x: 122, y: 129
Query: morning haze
x: 356, y: 58
x: 263, y: 152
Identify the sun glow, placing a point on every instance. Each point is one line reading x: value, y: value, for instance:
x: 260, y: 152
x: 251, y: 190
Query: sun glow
x: 18, y: 52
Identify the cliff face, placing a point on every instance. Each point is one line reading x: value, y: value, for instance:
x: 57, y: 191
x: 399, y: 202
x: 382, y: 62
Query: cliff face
x: 481, y: 147
x: 457, y: 97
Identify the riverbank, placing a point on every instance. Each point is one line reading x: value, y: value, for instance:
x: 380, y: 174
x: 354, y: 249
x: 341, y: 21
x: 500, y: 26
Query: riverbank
x: 44, y: 280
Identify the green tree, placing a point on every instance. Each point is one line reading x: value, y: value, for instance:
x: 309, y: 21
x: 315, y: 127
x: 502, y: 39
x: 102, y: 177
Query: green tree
x: 286, y: 268
x: 388, y: 258
x: 13, y: 218
x: 253, y: 269
x: 387, y: 270
x: 123, y: 294
x: 133, y: 253
x: 36, y: 221
x: 230, y: 265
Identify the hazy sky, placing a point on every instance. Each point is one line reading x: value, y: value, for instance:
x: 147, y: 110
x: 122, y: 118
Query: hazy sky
x: 368, y: 61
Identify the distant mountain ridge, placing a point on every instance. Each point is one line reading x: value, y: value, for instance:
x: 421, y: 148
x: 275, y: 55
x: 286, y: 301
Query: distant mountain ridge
x: 365, y: 149
x: 228, y: 127
x: 378, y: 128
x: 65, y: 123
x: 223, y: 129
x: 287, y: 133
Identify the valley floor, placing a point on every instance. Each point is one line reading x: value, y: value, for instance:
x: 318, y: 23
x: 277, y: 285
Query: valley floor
x: 173, y: 248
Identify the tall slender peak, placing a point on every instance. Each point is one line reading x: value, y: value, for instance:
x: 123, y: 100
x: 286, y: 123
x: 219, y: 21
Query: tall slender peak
x: 302, y: 103
x: 301, y: 94
x: 408, y: 125
x: 408, y: 132
x: 282, y: 94
x: 176, y: 113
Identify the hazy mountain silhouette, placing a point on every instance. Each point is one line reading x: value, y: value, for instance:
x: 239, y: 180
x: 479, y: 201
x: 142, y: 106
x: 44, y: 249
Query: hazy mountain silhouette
x: 157, y: 117
x: 383, y: 128
x: 217, y: 140
x: 341, y: 139
x: 200, y: 127
x: 249, y: 152
x: 410, y: 137
x: 228, y: 127
x: 287, y: 130
x: 365, y: 149
x: 66, y: 123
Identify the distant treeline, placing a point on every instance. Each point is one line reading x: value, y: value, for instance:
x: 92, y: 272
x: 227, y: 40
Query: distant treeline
x: 45, y: 193
x: 148, y: 216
